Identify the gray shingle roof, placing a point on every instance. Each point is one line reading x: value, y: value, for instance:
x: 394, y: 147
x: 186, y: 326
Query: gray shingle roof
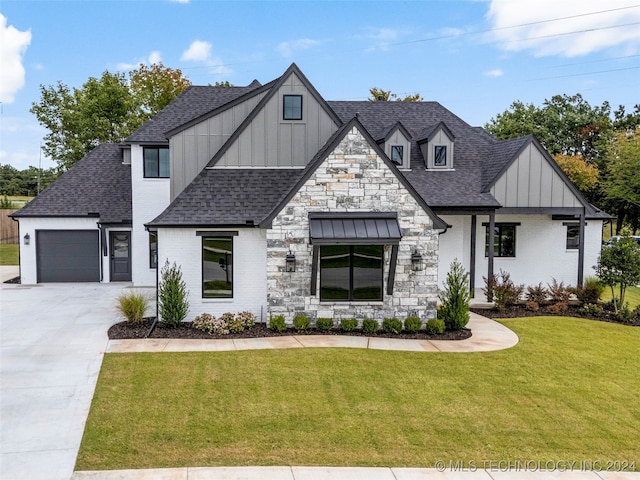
x: 223, y: 196
x: 194, y: 102
x: 97, y: 184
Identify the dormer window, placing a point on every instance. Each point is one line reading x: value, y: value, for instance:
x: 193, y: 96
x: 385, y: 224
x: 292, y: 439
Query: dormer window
x: 397, y: 154
x: 440, y: 156
x: 292, y: 107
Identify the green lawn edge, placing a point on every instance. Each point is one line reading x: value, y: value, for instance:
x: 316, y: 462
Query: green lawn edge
x: 567, y: 392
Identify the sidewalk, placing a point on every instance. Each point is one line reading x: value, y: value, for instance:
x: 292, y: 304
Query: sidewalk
x: 348, y: 473
x: 487, y: 336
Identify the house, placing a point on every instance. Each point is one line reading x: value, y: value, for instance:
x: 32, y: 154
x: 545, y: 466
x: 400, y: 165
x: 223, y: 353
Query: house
x: 274, y: 200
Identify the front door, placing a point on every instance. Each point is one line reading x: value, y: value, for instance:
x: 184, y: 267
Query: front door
x: 120, y: 251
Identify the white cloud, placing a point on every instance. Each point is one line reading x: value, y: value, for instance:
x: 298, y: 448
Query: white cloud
x: 381, y: 37
x: 288, y: 49
x: 545, y: 37
x: 180, y: 1
x: 198, y: 51
x: 494, y: 73
x: 13, y: 44
x: 154, y: 57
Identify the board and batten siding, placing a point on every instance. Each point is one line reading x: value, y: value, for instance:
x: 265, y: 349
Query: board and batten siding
x: 398, y: 138
x: 193, y: 148
x: 270, y: 141
x: 530, y: 181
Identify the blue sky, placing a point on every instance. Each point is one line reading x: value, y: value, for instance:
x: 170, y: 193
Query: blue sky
x: 474, y: 57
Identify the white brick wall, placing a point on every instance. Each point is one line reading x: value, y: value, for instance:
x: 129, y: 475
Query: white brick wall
x: 149, y: 197
x: 183, y: 246
x: 541, y: 253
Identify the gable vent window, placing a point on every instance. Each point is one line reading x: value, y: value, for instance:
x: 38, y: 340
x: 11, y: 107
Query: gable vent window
x: 292, y: 107
x: 440, y: 156
x: 397, y: 154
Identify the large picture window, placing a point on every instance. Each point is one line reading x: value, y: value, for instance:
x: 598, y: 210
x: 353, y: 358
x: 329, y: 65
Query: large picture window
x: 156, y: 162
x: 504, y: 242
x: 217, y: 267
x: 351, y: 272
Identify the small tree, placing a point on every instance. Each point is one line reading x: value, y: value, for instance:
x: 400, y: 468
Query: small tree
x: 619, y: 264
x: 454, y: 309
x: 172, y: 296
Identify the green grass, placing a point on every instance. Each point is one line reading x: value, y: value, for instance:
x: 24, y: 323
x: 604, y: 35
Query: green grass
x: 631, y: 296
x: 18, y: 201
x: 9, y: 254
x: 568, y: 391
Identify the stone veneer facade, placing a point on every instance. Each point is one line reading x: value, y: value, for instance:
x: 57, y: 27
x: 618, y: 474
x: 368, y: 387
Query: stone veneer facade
x: 353, y: 178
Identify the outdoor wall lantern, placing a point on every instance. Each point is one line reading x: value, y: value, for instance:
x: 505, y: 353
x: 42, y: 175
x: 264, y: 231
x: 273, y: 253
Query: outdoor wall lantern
x: 416, y: 261
x: 27, y: 239
x: 291, y: 262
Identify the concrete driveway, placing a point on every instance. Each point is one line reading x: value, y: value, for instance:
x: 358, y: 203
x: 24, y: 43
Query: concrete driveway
x: 52, y: 340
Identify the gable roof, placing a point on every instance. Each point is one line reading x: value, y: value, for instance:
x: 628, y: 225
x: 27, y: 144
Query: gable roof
x: 275, y: 86
x: 191, y: 104
x: 99, y: 185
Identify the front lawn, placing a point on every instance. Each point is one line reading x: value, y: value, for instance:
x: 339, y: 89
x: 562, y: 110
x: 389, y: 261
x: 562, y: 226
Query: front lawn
x: 9, y: 254
x: 568, y: 391
x: 631, y: 296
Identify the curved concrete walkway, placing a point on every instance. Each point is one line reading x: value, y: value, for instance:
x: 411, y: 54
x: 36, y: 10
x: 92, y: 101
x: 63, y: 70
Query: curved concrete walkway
x: 487, y: 335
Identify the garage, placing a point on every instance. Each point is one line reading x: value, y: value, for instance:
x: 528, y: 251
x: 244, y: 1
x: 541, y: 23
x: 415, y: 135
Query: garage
x: 68, y: 255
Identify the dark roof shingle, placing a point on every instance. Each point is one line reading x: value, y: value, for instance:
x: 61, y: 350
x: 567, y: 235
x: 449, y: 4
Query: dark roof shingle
x: 98, y: 184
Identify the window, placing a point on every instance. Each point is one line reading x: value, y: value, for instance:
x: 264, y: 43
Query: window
x: 351, y: 272
x: 397, y: 152
x: 504, y: 241
x: 440, y: 156
x: 156, y: 162
x: 217, y: 267
x: 292, y: 107
x: 573, y: 237
x: 153, y: 250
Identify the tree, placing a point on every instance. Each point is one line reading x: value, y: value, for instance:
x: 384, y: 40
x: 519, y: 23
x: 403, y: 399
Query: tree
x: 583, y: 175
x: 619, y: 264
x: 155, y: 86
x: 379, y: 95
x: 454, y: 298
x: 172, y: 296
x: 622, y: 182
x: 105, y: 109
x: 565, y: 125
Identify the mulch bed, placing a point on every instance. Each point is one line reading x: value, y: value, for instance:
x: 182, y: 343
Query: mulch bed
x: 125, y: 330
x: 518, y: 311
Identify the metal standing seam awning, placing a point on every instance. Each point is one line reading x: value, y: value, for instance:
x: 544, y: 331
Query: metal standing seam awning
x: 361, y: 228
x: 370, y: 228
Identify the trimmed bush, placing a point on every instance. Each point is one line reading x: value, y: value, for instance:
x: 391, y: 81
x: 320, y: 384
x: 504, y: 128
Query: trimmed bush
x: 590, y: 291
x: 558, y: 308
x: 324, y: 324
x: 247, y: 319
x: 369, y: 325
x: 412, y: 324
x: 505, y: 292
x: 172, y: 296
x: 391, y: 325
x: 591, y: 309
x: 558, y: 292
x: 537, y: 294
x: 301, y: 322
x: 132, y: 306
x: 348, y: 324
x: 277, y: 323
x: 434, y: 326
x: 235, y: 323
x: 454, y: 309
x: 210, y: 324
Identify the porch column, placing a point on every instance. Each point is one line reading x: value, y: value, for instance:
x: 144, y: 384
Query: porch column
x: 472, y: 266
x: 492, y: 226
x: 581, y: 249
